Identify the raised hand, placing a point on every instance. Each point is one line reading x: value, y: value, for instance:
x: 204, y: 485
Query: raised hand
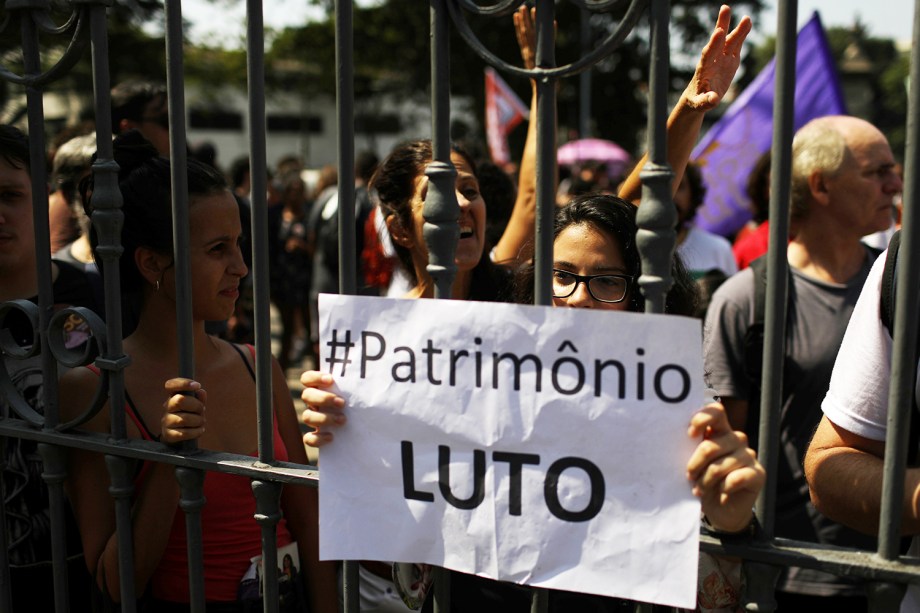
x: 324, y: 411
x: 718, y: 62
x: 725, y: 473
x: 526, y: 35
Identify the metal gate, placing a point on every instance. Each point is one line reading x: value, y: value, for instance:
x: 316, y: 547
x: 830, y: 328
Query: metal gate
x: 886, y: 570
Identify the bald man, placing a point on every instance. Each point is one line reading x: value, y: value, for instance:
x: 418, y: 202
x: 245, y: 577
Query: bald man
x: 843, y: 186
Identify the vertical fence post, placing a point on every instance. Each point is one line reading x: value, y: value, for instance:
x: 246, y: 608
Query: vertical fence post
x: 761, y: 578
x: 345, y: 120
x: 345, y: 115
x: 191, y: 481
x: 6, y: 591
x: 108, y: 220
x: 546, y: 154
x: 903, y: 360
x: 441, y: 210
x: 656, y: 216
x: 54, y: 466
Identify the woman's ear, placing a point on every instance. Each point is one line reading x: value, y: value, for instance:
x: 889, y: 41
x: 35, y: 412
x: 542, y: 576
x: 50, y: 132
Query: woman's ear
x: 398, y: 233
x: 151, y: 264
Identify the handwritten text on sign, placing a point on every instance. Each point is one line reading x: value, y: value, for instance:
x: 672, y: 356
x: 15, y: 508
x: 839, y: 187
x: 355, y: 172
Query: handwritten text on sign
x: 536, y: 445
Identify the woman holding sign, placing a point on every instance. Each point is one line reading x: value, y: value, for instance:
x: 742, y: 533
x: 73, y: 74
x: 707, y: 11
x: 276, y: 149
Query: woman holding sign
x: 596, y: 264
x: 160, y: 406
x: 723, y: 469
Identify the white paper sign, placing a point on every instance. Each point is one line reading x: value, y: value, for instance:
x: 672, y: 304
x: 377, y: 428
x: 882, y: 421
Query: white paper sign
x: 529, y: 444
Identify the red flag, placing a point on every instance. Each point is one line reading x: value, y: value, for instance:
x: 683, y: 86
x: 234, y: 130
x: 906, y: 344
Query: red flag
x: 504, y: 111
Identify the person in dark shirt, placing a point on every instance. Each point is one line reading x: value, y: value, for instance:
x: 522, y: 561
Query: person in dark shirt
x: 25, y: 495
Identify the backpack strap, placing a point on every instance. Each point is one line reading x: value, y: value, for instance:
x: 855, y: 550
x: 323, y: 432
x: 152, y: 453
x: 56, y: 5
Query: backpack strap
x: 889, y: 289
x: 753, y: 337
x: 753, y: 349
x: 887, y: 299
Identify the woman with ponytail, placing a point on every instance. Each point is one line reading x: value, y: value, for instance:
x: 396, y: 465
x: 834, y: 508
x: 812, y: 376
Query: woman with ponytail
x: 162, y: 407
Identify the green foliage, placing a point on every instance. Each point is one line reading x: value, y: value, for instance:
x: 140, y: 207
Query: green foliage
x: 392, y: 56
x: 133, y: 53
x: 885, y: 80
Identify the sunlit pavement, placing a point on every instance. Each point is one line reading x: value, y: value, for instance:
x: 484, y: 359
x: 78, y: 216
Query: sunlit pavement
x: 292, y: 374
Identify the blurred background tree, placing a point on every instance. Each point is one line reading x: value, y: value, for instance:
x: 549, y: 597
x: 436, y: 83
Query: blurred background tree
x: 873, y: 73
x: 392, y: 57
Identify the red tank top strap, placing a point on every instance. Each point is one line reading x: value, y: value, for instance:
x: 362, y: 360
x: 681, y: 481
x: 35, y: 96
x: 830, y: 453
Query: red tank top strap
x: 130, y: 410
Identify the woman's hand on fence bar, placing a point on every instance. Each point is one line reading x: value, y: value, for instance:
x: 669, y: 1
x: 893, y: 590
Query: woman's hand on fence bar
x: 184, y: 412
x: 725, y: 473
x: 324, y: 408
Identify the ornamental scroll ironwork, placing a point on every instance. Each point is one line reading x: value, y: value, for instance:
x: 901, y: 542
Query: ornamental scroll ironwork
x: 37, y: 14
x: 634, y: 10
x: 656, y: 219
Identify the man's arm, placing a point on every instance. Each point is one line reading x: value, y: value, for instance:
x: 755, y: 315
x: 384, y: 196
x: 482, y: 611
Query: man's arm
x: 844, y: 473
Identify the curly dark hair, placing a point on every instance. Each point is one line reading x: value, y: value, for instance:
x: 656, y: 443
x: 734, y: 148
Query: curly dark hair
x: 394, y: 182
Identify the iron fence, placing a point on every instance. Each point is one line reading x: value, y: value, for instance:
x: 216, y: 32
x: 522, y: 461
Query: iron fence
x: 886, y: 571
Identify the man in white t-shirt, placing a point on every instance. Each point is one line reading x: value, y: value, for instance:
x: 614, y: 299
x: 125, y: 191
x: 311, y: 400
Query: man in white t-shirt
x: 844, y: 461
x: 843, y: 182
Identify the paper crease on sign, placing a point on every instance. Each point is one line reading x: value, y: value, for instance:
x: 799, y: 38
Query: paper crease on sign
x: 600, y: 503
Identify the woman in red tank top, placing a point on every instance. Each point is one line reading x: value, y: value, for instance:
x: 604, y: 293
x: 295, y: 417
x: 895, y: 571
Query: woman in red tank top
x: 161, y: 411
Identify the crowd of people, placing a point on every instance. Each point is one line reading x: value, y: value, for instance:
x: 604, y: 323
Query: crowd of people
x: 844, y: 186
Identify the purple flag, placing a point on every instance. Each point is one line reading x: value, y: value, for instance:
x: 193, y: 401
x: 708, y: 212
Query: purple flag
x: 730, y: 149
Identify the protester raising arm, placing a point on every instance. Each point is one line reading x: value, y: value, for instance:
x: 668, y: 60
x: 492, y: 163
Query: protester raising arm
x: 714, y: 72
x: 516, y: 243
x: 718, y: 64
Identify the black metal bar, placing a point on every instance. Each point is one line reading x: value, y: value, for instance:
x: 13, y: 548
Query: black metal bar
x: 268, y: 514
x: 441, y: 211
x: 108, y: 220
x: 54, y: 469
x: 191, y: 501
x: 777, y: 262
x: 584, y: 79
x: 345, y: 115
x: 258, y: 172
x: 175, y: 84
x: 54, y: 460
x: 6, y: 585
x: 122, y: 491
x: 229, y: 463
x: 351, y: 585
x: 903, y: 360
x: 762, y: 578
x: 546, y: 155
x: 191, y: 483
x: 657, y: 216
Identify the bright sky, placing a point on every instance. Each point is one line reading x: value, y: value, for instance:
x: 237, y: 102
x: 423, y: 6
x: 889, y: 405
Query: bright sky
x: 883, y: 18
x: 225, y: 19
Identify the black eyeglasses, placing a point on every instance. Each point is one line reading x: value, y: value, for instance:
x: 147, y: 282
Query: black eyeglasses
x: 603, y: 288
x: 161, y: 120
